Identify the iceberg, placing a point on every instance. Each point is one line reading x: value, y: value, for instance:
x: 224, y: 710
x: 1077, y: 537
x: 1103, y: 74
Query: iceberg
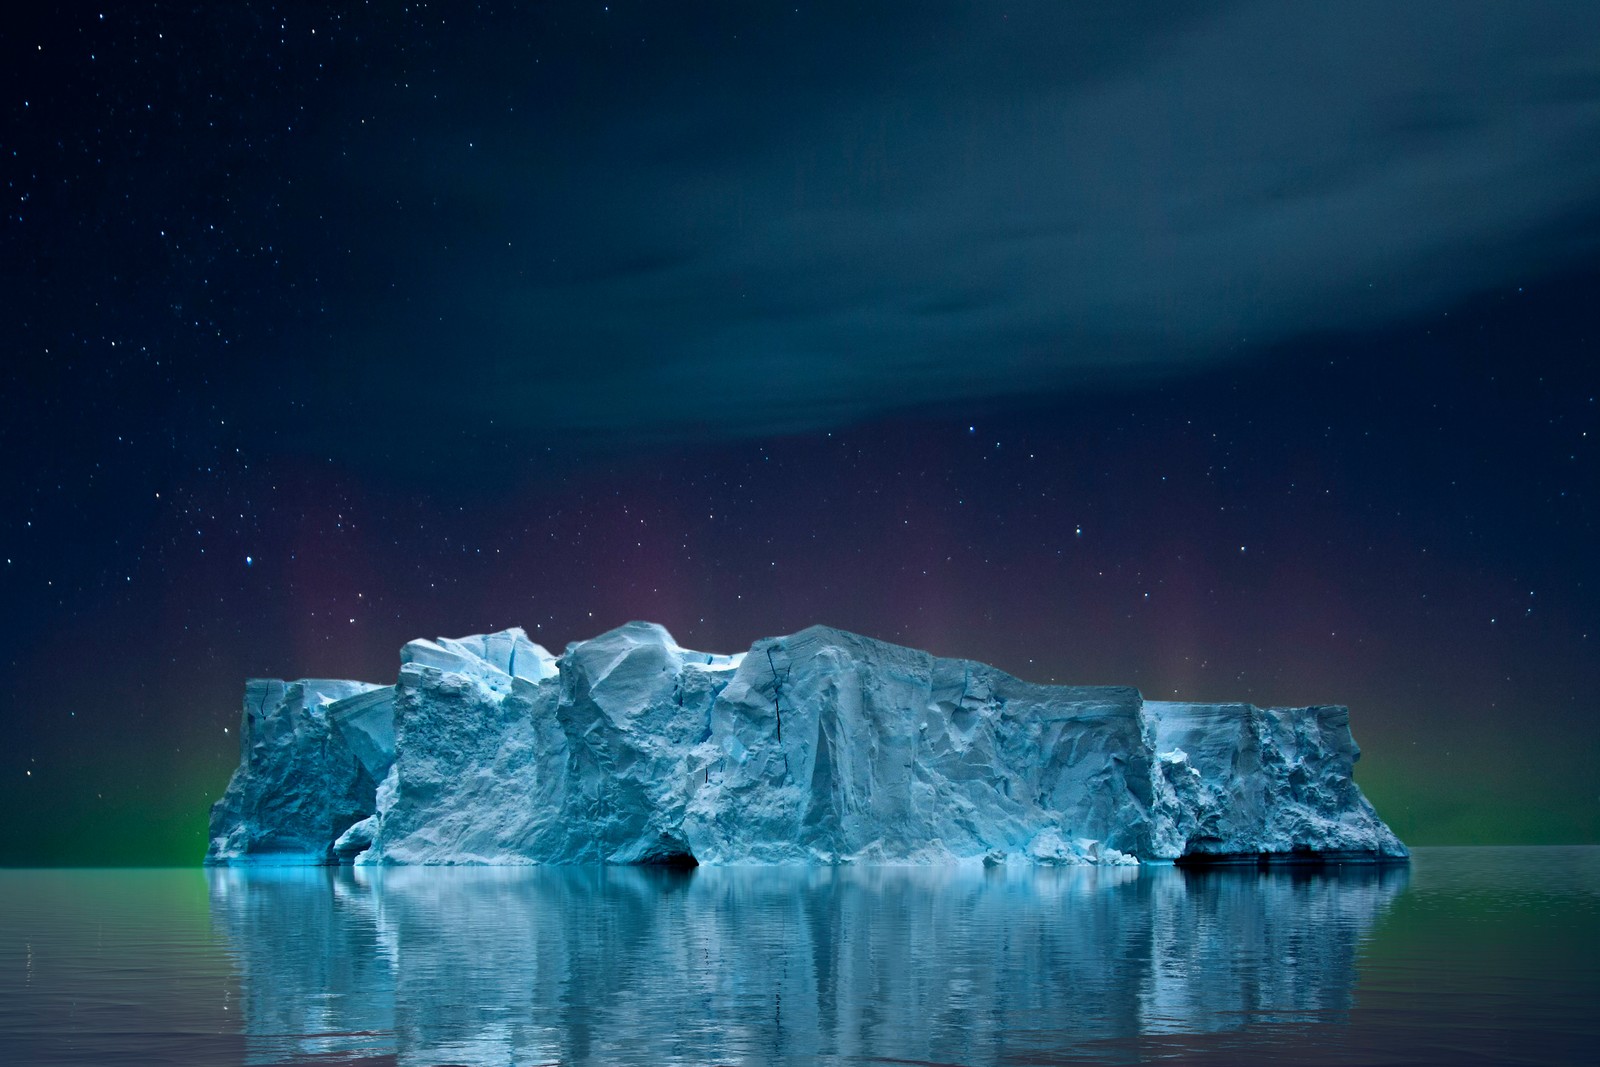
x: 819, y: 748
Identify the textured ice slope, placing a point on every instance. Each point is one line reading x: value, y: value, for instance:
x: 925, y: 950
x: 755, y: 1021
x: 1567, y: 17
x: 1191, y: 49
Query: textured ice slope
x: 820, y: 747
x: 299, y: 783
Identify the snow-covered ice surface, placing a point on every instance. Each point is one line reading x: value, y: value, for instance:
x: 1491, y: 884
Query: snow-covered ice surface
x: 822, y: 747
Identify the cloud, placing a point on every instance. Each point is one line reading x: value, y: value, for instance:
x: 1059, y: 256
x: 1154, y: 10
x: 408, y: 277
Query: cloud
x: 823, y: 224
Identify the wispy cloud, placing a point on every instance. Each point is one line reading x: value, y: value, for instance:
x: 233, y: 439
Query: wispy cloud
x: 807, y: 229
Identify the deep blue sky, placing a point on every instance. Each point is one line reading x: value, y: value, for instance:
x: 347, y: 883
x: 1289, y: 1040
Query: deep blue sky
x: 1241, y: 351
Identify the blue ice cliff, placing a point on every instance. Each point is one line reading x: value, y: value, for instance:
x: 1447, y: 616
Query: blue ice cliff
x: 822, y: 747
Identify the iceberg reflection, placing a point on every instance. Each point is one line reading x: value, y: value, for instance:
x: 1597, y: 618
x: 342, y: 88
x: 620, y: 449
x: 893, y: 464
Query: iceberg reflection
x: 616, y: 965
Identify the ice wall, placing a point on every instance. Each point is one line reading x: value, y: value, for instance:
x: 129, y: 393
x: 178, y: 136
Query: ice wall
x: 299, y: 784
x: 822, y: 747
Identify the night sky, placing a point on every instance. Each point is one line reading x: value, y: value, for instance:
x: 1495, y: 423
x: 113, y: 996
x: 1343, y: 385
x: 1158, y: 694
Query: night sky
x: 1233, y: 351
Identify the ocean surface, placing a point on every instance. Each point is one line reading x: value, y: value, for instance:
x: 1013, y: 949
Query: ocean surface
x: 1469, y: 956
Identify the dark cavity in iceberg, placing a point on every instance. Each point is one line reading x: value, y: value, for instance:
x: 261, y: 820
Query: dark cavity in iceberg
x: 823, y: 747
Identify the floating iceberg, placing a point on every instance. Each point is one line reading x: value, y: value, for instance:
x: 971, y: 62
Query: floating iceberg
x: 823, y: 747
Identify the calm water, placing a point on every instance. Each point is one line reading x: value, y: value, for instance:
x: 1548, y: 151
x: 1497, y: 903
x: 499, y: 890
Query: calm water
x: 1471, y: 956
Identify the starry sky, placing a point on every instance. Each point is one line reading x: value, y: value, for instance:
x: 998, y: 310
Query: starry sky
x: 1228, y: 350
